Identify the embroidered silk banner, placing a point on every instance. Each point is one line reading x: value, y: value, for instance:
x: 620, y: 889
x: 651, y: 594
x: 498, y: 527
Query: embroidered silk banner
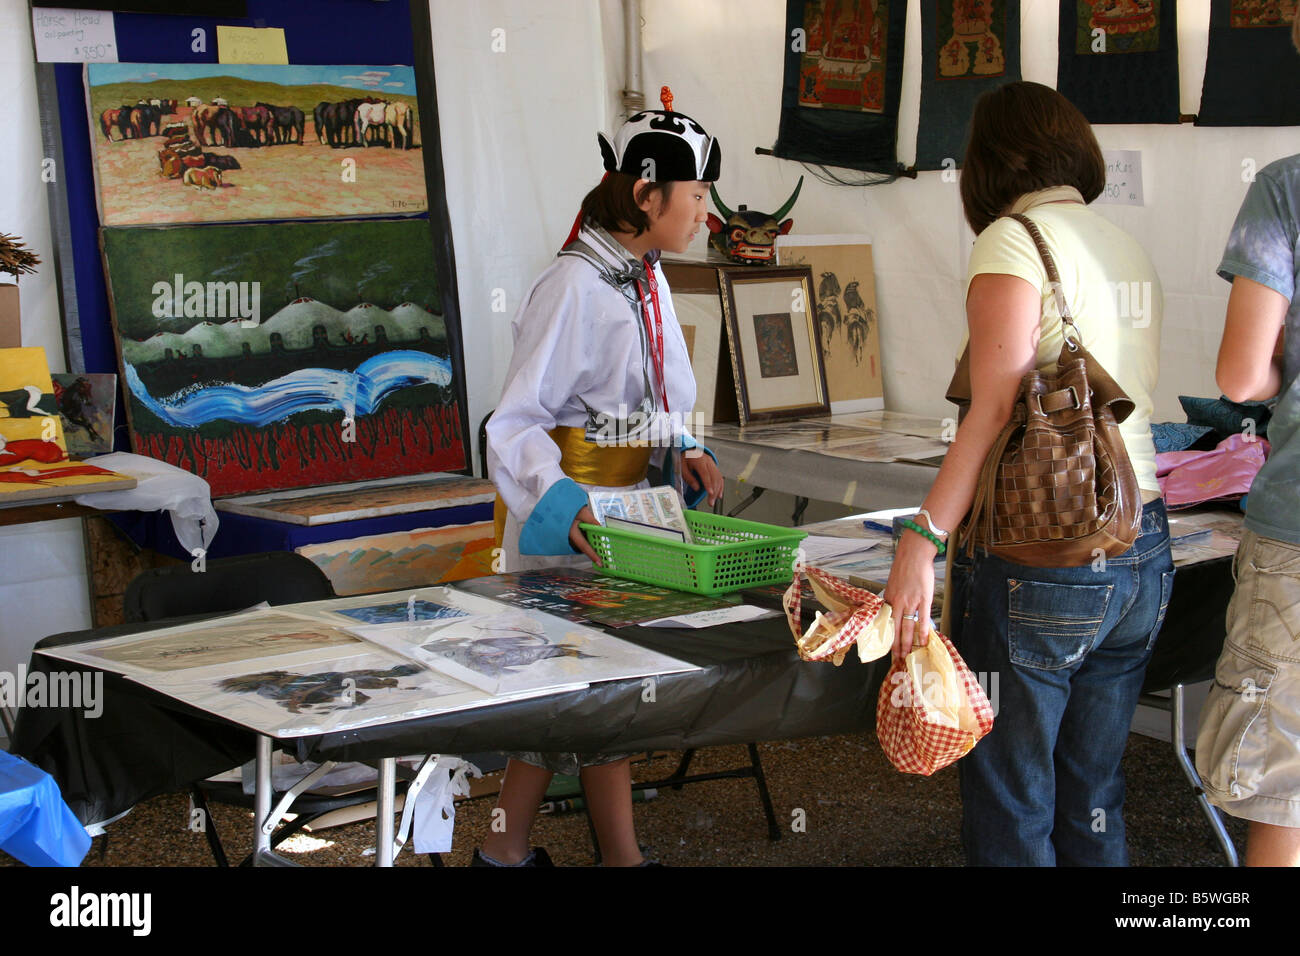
x: 967, y: 48
x: 1119, y: 60
x: 1252, y: 71
x: 843, y: 74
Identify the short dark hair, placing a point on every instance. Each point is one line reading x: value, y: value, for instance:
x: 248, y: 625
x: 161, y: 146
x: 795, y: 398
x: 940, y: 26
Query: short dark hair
x: 613, y: 204
x: 1025, y: 137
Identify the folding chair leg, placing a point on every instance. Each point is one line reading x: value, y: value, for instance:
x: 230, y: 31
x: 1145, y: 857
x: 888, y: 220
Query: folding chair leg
x: 683, y: 767
x: 209, y: 827
x: 773, y: 831
x: 1176, y: 721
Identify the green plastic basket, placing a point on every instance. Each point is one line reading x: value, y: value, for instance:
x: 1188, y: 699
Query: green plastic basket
x: 729, y: 554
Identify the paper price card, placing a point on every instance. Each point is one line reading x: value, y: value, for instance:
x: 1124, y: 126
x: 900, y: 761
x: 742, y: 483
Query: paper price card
x: 74, y: 36
x: 1123, y: 177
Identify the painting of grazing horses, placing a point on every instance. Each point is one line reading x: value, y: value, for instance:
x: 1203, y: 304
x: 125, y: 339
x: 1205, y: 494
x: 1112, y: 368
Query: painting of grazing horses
x: 278, y: 136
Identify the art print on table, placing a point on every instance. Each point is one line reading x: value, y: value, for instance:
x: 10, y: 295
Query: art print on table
x: 506, y: 650
x: 412, y: 610
x: 207, y: 142
x: 330, y: 694
x: 218, y: 647
x: 263, y: 357
x: 940, y: 429
x: 580, y: 595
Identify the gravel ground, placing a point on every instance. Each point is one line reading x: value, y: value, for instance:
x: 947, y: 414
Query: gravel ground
x: 858, y: 811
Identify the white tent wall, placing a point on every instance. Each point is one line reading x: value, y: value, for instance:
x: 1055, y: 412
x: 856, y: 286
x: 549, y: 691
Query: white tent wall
x: 724, y: 63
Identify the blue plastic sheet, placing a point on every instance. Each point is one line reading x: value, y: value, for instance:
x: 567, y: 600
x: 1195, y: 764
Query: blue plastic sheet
x: 36, y: 826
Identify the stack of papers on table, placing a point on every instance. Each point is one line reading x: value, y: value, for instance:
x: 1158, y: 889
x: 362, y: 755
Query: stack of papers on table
x: 338, y: 665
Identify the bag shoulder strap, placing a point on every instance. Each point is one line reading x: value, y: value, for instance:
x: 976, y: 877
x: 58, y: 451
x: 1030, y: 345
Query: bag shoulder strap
x: 1053, y: 276
x: 959, y: 388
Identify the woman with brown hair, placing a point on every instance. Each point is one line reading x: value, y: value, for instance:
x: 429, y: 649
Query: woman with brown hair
x: 1068, y: 646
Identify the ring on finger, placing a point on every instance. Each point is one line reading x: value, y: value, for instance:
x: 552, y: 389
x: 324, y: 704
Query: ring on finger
x: 914, y: 616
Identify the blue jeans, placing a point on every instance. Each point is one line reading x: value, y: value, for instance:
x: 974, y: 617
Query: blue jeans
x: 1063, y: 652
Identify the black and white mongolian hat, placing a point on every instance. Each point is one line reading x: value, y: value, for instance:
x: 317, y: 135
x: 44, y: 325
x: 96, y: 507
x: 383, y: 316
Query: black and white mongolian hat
x: 662, y: 145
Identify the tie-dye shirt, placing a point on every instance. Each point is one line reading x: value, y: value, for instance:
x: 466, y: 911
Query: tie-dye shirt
x: 1265, y: 247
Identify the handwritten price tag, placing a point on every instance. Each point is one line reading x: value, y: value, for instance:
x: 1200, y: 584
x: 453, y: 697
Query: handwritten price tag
x: 74, y: 36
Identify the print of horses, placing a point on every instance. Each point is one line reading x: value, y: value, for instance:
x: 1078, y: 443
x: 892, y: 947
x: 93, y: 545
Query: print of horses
x: 288, y: 122
x: 400, y: 120
x: 109, y: 119
x: 253, y: 124
x: 212, y: 119
x: 336, y: 119
x: 370, y: 115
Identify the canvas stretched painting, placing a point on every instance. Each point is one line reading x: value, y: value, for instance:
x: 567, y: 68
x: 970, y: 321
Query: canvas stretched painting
x: 262, y: 357
x: 845, y: 286
x: 372, y: 499
x: 86, y: 405
x: 209, y: 142
x: 404, y: 559
x: 34, y: 462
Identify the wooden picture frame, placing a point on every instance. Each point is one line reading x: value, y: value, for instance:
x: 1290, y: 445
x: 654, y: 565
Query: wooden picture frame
x: 775, y: 343
x: 699, y: 314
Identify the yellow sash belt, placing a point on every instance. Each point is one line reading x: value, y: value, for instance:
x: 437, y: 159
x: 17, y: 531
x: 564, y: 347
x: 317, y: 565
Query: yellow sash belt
x: 589, y: 464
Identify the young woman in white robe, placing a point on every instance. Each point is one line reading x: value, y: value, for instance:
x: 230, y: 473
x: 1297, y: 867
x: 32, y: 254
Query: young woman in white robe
x: 598, y: 352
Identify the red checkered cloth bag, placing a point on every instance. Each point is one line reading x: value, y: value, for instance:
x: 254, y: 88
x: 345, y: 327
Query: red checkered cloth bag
x: 931, y: 710
x: 856, y: 616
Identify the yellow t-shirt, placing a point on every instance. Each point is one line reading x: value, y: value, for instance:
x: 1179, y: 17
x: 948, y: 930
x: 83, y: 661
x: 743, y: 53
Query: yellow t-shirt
x: 1111, y: 288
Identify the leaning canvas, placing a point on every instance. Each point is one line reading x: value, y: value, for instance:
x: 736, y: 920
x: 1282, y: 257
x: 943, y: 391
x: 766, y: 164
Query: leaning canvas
x: 272, y: 356
x: 844, y: 284
x: 210, y: 142
x: 34, y: 461
x: 87, y: 402
x: 404, y: 559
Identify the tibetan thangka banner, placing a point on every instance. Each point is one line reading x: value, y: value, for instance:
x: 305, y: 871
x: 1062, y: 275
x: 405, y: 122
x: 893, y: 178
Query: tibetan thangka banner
x: 843, y: 74
x: 967, y: 48
x: 1252, y: 71
x: 1119, y: 59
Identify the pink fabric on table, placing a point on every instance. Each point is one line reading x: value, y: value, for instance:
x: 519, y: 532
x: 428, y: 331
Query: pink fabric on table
x: 1225, y: 471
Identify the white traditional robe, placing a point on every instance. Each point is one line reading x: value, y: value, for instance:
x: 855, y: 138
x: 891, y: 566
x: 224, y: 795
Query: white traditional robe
x: 576, y: 339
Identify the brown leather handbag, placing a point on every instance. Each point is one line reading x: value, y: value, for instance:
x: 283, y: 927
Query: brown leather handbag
x: 1057, y: 486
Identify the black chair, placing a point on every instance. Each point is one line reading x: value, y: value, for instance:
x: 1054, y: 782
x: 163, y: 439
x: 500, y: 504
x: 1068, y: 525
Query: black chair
x: 225, y: 585
x: 1186, y: 652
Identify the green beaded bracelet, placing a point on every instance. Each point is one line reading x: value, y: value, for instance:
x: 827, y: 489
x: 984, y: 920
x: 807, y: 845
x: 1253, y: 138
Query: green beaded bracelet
x: 911, y: 525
